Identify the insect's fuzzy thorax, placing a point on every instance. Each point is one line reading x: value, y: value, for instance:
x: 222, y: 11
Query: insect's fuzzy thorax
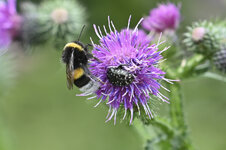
x: 78, y: 49
x: 76, y: 45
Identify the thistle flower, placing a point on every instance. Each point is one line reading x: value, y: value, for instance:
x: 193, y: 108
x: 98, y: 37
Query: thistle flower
x: 145, y: 39
x: 220, y: 60
x: 139, y: 77
x: 59, y: 20
x: 203, y: 37
x: 164, y: 17
x: 10, y: 22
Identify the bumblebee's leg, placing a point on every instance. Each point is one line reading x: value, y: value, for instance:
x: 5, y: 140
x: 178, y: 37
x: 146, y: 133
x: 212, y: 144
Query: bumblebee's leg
x: 96, y: 79
x: 89, y: 55
x: 89, y: 45
x: 97, y: 59
x: 90, y: 74
x: 86, y: 47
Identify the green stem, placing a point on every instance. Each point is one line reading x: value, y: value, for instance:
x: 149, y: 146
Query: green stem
x: 154, y: 130
x: 163, y: 126
x: 181, y: 139
x: 176, y: 130
x: 187, y: 68
x: 142, y: 130
x: 176, y: 107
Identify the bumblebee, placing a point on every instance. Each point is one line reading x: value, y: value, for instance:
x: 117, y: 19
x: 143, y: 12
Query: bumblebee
x: 75, y: 55
x: 118, y: 76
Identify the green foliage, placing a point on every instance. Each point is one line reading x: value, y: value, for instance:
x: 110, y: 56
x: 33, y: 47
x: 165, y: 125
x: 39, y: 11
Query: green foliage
x: 215, y: 76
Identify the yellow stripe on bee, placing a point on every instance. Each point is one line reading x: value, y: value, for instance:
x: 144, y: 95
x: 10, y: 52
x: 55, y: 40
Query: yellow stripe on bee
x: 78, y: 73
x: 73, y: 45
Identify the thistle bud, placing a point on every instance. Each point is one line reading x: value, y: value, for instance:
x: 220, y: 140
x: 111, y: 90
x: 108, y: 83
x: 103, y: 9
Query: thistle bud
x: 202, y: 37
x: 198, y: 34
x: 56, y: 21
x: 32, y: 28
x: 59, y: 15
x: 220, y: 60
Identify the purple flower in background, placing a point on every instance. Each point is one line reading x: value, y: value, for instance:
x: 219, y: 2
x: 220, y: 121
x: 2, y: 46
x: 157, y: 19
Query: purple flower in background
x: 10, y: 22
x: 164, y: 17
x: 128, y: 66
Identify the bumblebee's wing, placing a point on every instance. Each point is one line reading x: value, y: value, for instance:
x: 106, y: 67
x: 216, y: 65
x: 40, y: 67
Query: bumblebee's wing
x: 70, y: 79
x: 69, y: 72
x: 86, y: 69
x: 92, y: 77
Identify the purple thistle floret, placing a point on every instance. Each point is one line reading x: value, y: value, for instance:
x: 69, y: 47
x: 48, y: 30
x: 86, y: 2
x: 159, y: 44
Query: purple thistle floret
x: 132, y: 49
x: 164, y: 17
x: 10, y: 22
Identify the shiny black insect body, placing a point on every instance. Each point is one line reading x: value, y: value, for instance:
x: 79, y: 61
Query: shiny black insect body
x: 118, y: 76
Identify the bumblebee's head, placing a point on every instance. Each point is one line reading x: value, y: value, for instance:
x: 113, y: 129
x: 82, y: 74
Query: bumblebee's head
x: 79, y: 43
x: 69, y: 48
x: 72, y: 46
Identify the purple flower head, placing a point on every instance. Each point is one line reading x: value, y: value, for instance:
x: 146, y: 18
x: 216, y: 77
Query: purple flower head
x: 130, y: 54
x: 10, y: 22
x: 164, y: 17
x: 145, y: 39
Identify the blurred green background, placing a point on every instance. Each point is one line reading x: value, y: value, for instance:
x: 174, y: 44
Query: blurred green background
x: 39, y: 113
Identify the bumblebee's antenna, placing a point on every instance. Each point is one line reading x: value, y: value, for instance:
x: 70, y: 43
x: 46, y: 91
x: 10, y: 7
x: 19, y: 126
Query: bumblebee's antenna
x: 81, y: 32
